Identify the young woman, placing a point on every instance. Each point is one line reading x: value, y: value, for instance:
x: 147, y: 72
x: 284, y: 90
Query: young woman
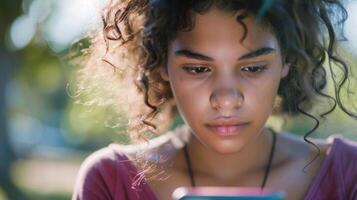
x: 225, y: 66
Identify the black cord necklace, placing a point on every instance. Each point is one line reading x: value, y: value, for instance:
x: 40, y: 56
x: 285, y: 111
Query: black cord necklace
x: 267, y: 169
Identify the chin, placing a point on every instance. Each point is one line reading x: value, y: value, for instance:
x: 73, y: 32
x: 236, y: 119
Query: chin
x: 227, y: 147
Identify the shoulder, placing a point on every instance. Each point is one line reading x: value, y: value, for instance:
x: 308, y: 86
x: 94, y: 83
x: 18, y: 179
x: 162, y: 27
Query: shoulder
x: 294, y: 146
x: 116, y: 158
x: 345, y: 146
x: 336, y: 146
x: 158, y: 149
x: 343, y: 156
x: 104, y: 161
x: 101, y: 174
x: 337, y: 176
x: 335, y: 168
x: 111, y: 172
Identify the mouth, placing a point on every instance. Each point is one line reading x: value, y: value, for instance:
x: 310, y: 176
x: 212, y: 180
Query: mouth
x: 228, y: 129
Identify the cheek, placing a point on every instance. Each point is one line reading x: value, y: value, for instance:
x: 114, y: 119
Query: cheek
x: 260, y: 97
x: 190, y: 97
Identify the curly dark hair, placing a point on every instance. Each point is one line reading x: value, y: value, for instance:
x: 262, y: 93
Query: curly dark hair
x: 136, y: 34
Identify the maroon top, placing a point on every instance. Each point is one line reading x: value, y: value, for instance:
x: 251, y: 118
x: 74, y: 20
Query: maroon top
x: 108, y: 174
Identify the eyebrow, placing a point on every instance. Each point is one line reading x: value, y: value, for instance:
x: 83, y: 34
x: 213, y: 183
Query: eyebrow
x: 192, y: 54
x: 195, y: 55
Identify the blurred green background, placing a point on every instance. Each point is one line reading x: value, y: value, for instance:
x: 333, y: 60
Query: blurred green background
x: 44, y: 135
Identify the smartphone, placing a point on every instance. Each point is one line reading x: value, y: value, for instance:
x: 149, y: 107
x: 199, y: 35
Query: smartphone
x: 225, y: 193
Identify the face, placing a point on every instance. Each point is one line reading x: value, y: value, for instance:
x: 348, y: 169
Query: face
x: 224, y: 88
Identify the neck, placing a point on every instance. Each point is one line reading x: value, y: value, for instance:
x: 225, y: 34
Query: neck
x: 251, y: 159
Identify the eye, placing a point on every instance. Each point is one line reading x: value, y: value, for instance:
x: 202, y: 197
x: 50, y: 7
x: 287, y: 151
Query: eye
x: 196, y: 70
x: 254, y: 69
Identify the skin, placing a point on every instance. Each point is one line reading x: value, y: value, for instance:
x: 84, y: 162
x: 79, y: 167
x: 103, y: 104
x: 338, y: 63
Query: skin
x: 228, y: 89
x: 231, y: 82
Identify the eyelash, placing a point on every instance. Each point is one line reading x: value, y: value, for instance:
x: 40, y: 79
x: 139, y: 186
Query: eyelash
x: 190, y: 69
x: 259, y: 68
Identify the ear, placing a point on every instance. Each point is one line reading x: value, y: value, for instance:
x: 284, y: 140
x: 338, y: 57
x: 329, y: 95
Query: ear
x: 285, y: 70
x: 163, y: 73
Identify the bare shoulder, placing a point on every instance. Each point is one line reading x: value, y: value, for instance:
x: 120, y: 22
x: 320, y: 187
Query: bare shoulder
x: 297, y: 161
x: 294, y: 145
x: 290, y: 143
x: 303, y: 163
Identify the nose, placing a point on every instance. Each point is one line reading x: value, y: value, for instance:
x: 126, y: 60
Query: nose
x: 226, y: 97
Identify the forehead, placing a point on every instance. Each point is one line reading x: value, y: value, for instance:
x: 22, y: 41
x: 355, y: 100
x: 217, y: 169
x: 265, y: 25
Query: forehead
x: 220, y: 29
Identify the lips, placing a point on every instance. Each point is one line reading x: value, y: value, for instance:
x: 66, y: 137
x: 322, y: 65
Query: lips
x: 227, y: 127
